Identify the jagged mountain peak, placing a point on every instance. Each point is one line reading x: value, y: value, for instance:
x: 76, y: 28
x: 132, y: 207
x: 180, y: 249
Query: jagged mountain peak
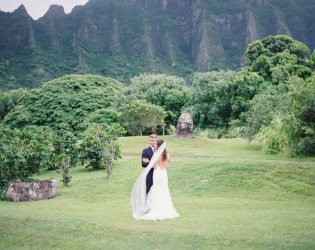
x: 21, y: 10
x: 55, y: 10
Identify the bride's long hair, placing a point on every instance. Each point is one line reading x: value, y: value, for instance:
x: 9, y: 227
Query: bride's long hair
x: 159, y: 142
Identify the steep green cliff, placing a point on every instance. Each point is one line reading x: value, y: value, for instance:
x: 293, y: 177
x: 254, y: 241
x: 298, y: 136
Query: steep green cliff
x: 123, y: 38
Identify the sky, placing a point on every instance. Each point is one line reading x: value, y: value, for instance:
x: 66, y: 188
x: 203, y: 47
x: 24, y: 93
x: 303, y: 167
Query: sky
x: 38, y: 8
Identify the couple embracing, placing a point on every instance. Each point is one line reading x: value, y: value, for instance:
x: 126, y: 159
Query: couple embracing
x: 150, y: 197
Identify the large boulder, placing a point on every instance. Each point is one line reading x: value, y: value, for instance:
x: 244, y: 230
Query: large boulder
x: 185, y: 126
x: 32, y: 191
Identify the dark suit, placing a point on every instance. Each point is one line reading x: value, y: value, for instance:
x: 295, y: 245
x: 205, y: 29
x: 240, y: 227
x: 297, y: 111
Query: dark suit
x: 148, y: 153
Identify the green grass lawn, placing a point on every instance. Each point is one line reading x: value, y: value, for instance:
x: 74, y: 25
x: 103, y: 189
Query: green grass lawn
x: 228, y: 194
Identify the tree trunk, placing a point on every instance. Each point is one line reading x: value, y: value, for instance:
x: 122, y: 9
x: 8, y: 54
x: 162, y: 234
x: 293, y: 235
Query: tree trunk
x: 109, y: 171
x: 63, y: 166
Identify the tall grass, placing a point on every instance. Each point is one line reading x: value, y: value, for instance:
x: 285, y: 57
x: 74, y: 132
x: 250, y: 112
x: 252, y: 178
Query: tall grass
x: 275, y: 137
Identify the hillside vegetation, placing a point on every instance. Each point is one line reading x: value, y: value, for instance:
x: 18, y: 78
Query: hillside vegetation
x: 122, y: 39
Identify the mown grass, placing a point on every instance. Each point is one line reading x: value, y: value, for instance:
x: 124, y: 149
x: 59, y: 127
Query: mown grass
x: 229, y: 195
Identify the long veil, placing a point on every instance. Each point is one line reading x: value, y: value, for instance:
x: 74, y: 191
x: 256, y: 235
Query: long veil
x: 138, y: 194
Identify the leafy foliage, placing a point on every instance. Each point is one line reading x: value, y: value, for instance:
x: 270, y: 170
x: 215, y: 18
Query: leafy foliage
x: 64, y: 102
x: 140, y: 114
x: 275, y: 138
x: 264, y: 106
x: 209, y: 104
x: 65, y: 153
x: 302, y: 105
x: 169, y: 92
x: 63, y: 162
x: 278, y: 57
x: 8, y: 100
x: 23, y: 153
x: 107, y: 115
x: 219, y: 97
x: 291, y: 112
x: 99, y: 147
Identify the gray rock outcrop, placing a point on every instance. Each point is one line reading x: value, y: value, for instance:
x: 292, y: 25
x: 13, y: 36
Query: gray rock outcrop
x: 185, y: 126
x: 32, y: 191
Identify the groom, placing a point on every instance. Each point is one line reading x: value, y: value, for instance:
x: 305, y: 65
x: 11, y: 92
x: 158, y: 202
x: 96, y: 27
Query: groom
x: 147, y: 154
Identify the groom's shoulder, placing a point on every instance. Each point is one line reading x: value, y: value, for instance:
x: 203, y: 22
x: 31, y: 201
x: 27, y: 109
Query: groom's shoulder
x: 146, y: 149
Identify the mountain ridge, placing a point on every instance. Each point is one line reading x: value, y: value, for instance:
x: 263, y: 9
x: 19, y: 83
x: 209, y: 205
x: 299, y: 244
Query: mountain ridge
x: 124, y: 38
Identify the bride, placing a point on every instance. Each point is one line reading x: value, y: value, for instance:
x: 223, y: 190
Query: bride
x: 157, y: 205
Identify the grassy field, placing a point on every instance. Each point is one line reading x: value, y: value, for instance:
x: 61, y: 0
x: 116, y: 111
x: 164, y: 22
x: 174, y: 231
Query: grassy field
x: 228, y: 194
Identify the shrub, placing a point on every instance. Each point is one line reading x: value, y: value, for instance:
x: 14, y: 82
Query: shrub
x: 307, y: 145
x: 99, y: 147
x: 215, y: 132
x: 64, y: 142
x: 236, y: 129
x: 275, y: 138
x: 23, y: 153
x: 65, y: 153
x: 209, y: 133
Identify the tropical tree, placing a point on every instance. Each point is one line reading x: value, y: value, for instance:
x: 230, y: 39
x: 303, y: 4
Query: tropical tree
x: 64, y: 102
x: 99, y: 147
x: 140, y: 114
x: 209, y: 99
x: 169, y: 92
x: 65, y: 153
x: 278, y: 57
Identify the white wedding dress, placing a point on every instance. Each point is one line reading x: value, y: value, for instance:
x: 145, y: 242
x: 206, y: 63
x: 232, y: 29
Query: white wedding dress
x: 159, y: 205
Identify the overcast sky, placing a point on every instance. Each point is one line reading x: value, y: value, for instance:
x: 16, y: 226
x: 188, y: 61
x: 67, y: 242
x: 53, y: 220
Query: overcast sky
x: 37, y: 8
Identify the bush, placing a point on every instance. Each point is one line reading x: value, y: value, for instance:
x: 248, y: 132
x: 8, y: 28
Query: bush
x: 209, y: 133
x: 275, y: 138
x: 214, y: 133
x: 64, y: 143
x: 307, y: 146
x: 236, y: 129
x: 65, y: 154
x: 99, y: 147
x: 23, y: 153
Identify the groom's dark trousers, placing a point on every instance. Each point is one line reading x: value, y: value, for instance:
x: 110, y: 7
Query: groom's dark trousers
x: 148, y: 153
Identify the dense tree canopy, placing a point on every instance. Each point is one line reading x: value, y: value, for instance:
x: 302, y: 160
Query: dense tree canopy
x: 64, y: 102
x: 278, y: 57
x: 209, y: 104
x: 273, y: 94
x: 219, y: 97
x: 169, y: 92
x: 140, y: 114
x: 8, y: 100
